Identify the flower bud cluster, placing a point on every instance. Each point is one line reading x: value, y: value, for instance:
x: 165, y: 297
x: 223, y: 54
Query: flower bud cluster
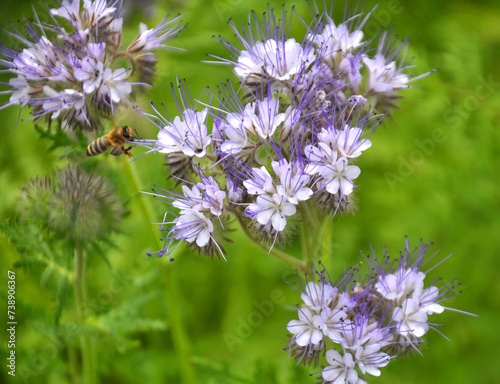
x: 74, y: 205
x: 287, y: 141
x: 74, y: 67
x: 360, y: 327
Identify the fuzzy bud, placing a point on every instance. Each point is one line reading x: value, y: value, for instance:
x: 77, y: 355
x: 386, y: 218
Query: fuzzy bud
x: 75, y: 205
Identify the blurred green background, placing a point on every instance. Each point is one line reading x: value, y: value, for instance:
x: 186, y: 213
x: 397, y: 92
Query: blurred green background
x: 432, y: 173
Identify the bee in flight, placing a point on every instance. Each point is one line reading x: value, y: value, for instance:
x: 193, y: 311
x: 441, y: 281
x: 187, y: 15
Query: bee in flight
x: 115, y: 138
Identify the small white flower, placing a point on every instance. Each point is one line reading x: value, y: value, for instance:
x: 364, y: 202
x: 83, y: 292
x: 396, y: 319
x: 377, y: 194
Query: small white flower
x: 428, y: 301
x: 340, y: 176
x: 237, y: 127
x: 319, y: 156
x: 369, y: 359
x: 350, y: 144
x: 171, y: 137
x: 403, y: 283
x: 306, y: 330
x: 60, y: 101
x: 317, y: 296
x: 271, y: 210
x: 334, y: 323
x: 90, y: 74
x: 260, y: 183
x: 341, y: 369
x: 114, y: 84
x: 69, y: 10
x: 412, y: 318
x: 20, y: 90
x: 251, y: 62
x: 284, y: 59
x: 213, y: 199
x: 383, y: 76
x: 234, y: 193
x: 191, y: 200
x: 267, y: 119
x: 193, y: 226
x: 196, y: 138
x: 336, y: 42
x: 293, y: 181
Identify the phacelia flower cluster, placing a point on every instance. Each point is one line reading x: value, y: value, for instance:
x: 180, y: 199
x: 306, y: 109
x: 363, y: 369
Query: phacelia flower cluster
x: 360, y: 326
x: 73, y: 205
x: 73, y: 68
x: 283, y: 146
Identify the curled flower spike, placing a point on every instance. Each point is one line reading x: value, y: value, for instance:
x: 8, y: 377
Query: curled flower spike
x: 363, y: 324
x: 284, y: 143
x: 71, y: 73
x: 201, y: 210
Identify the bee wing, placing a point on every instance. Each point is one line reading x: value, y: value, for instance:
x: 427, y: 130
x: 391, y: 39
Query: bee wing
x: 116, y: 151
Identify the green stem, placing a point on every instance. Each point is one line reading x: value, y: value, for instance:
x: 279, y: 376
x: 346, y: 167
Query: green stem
x: 310, y: 233
x: 326, y: 240
x: 302, y: 265
x: 274, y: 251
x: 306, y: 247
x: 179, y: 335
x: 73, y: 365
x: 88, y: 368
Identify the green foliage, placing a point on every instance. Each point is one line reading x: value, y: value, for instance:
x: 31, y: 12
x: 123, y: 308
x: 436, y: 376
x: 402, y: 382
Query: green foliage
x: 431, y: 173
x: 66, y: 147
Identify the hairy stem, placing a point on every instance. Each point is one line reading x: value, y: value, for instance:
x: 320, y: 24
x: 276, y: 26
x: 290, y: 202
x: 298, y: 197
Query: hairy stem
x: 88, y: 368
x: 179, y: 335
x: 325, y: 242
x: 311, y: 232
x: 302, y: 265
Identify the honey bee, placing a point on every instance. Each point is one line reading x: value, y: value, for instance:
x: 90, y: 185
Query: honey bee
x: 115, y: 138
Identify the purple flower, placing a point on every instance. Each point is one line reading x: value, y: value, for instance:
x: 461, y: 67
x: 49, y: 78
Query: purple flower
x: 293, y: 181
x: 268, y: 52
x: 271, y: 210
x: 90, y: 73
x: 340, y: 368
x: 339, y: 177
x: 363, y: 323
x: 267, y: 119
x: 307, y: 330
x: 193, y: 226
x: 280, y: 60
x: 282, y: 144
x: 336, y: 42
x: 150, y: 39
x: 114, y: 86
x: 80, y: 59
x: 237, y: 127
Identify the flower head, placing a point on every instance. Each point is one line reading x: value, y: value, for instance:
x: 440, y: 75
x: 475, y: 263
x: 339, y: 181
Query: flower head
x: 363, y: 323
x: 285, y: 140
x: 74, y: 205
x: 80, y: 58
